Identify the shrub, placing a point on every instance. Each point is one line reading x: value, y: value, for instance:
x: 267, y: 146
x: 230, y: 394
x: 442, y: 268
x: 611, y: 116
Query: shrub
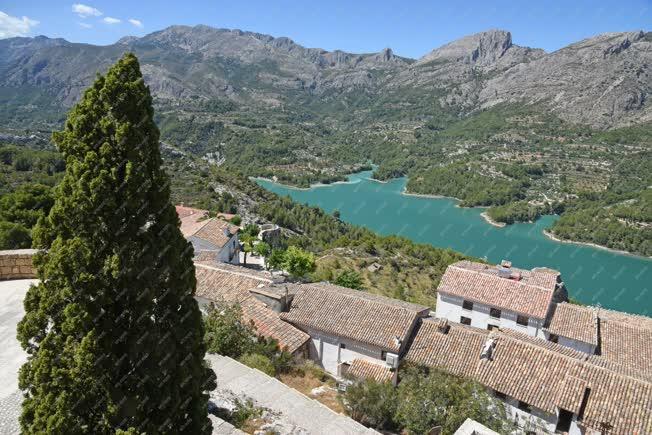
x: 260, y: 362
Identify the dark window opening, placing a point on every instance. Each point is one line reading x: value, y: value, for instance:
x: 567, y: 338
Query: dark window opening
x: 524, y: 406
x: 465, y: 320
x: 553, y: 338
x: 491, y: 327
x: 467, y: 305
x: 495, y: 313
x: 342, y: 346
x: 522, y: 320
x: 564, y: 421
x: 500, y: 395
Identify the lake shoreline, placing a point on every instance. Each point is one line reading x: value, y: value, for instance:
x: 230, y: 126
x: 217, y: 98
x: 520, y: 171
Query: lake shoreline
x: 551, y: 236
x: 490, y: 221
x: 312, y: 186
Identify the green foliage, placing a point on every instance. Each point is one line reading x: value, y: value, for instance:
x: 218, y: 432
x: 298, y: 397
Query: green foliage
x: 226, y: 333
x: 436, y: 398
x: 350, y: 279
x: 618, y: 218
x: 276, y: 259
x: 14, y: 236
x: 463, y: 182
x: 371, y: 403
x: 113, y: 335
x: 260, y: 362
x: 519, y: 211
x: 251, y: 230
x: 236, y: 220
x: 424, y: 399
x: 298, y: 262
x: 242, y: 412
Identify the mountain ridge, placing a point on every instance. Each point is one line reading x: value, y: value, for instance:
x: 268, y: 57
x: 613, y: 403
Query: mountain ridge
x: 602, y: 81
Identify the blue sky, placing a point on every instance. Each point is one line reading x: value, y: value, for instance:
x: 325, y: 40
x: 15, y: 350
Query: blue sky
x: 410, y: 28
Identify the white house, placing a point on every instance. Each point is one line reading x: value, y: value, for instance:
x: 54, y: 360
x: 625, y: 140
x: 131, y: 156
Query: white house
x: 489, y: 297
x: 212, y: 238
x: 545, y: 387
x: 348, y: 326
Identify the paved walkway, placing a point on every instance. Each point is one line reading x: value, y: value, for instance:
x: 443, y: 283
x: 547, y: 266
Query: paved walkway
x: 12, y: 356
x: 273, y: 394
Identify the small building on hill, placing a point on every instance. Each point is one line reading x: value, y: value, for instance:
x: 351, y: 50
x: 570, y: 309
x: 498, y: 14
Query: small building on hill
x: 221, y: 282
x: 503, y: 296
x: 347, y: 325
x: 212, y: 238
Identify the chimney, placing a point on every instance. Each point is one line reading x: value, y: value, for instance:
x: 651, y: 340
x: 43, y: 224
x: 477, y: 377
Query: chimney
x: 488, y: 349
x: 505, y: 269
x: 443, y: 326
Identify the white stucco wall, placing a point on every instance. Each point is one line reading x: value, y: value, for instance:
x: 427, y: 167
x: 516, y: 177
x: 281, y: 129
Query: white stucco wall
x: 325, y: 349
x: 450, y: 307
x: 537, y: 421
x: 574, y: 344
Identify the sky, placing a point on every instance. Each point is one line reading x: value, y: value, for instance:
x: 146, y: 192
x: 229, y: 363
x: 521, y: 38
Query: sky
x: 410, y: 28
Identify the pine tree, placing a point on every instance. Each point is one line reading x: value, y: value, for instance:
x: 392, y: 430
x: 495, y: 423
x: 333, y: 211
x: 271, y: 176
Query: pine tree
x: 113, y: 334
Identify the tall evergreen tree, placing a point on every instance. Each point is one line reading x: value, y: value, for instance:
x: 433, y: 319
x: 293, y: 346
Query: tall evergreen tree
x: 113, y: 334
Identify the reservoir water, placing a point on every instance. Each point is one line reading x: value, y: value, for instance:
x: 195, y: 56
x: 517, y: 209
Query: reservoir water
x: 592, y: 275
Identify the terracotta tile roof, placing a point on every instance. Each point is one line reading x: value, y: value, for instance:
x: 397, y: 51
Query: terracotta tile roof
x: 225, y: 282
x: 192, y: 219
x: 437, y: 343
x: 547, y: 376
x: 216, y: 231
x: 364, y: 369
x: 574, y: 321
x: 354, y: 314
x: 627, y: 345
x: 624, y: 339
x: 478, y: 282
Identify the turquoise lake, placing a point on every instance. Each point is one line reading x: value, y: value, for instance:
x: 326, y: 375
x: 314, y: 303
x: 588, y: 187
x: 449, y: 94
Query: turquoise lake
x: 616, y: 281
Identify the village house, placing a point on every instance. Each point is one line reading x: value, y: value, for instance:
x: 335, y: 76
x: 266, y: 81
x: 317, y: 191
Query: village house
x: 353, y: 332
x: 544, y: 386
x: 225, y: 283
x: 211, y: 238
x: 621, y: 338
x: 489, y: 297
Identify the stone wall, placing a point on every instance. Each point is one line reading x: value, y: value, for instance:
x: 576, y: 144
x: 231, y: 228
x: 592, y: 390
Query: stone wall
x: 17, y: 264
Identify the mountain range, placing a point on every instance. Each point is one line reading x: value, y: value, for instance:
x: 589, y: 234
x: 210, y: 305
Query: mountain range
x: 603, y: 82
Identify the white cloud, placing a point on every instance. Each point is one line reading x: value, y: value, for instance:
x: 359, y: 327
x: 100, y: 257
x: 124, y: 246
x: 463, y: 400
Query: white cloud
x: 85, y: 11
x: 136, y: 22
x: 14, y: 26
x: 111, y: 20
x: 85, y: 25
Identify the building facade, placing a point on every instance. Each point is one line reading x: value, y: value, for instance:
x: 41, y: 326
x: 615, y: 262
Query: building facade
x: 212, y: 238
x: 487, y: 297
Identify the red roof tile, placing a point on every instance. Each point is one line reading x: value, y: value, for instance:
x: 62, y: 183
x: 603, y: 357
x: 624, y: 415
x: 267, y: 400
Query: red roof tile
x: 531, y: 294
x: 363, y: 369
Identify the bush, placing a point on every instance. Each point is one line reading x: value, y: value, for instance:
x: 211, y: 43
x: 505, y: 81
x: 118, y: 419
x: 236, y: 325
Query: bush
x: 14, y: 236
x: 260, y: 362
x: 236, y: 220
x: 371, y: 403
x: 226, y: 333
x: 350, y: 279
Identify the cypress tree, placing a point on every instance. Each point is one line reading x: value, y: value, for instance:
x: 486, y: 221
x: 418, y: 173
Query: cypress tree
x: 113, y: 334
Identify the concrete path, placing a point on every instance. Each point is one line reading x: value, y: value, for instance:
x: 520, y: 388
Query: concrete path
x: 271, y: 393
x: 12, y: 356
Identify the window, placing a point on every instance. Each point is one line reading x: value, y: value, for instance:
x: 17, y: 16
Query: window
x: 499, y: 395
x: 495, y: 313
x: 465, y: 320
x: 522, y: 320
x: 524, y: 406
x: 467, y: 305
x: 491, y: 327
x: 553, y: 338
x: 383, y: 355
x: 342, y: 346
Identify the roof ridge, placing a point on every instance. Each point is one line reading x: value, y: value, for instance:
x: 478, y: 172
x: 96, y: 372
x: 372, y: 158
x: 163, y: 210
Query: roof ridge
x: 511, y: 280
x: 201, y: 227
x: 205, y: 266
x: 362, y: 295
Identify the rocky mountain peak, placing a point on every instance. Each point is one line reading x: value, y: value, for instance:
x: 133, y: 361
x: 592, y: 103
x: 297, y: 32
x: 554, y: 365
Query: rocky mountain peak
x: 481, y: 48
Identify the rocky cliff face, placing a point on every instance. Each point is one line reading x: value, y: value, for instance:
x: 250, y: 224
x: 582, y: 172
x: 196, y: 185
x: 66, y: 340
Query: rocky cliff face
x: 603, y: 81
